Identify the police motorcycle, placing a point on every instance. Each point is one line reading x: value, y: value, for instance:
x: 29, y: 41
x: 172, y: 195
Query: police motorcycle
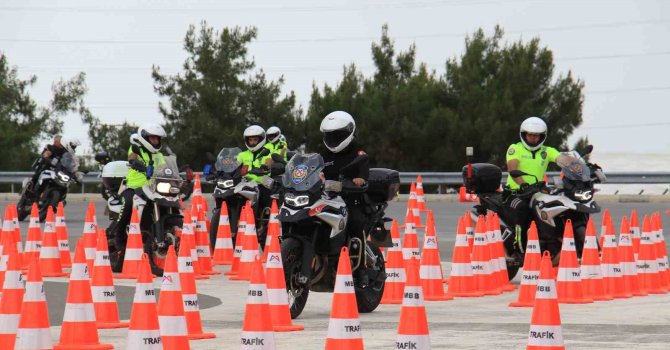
x: 571, y: 197
x: 51, y: 187
x: 157, y: 205
x: 235, y: 190
x: 313, y: 218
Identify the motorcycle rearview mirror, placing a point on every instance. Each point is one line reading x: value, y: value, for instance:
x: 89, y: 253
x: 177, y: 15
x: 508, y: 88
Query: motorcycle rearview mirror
x: 277, y: 168
x: 517, y: 173
x: 210, y: 157
x: 588, y: 150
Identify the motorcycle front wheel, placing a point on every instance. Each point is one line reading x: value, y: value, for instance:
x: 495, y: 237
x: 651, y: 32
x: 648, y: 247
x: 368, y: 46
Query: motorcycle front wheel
x: 291, y: 252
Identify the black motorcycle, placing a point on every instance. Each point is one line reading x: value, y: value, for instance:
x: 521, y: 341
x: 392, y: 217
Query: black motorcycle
x: 51, y: 187
x: 571, y: 198
x: 232, y: 188
x: 313, y: 218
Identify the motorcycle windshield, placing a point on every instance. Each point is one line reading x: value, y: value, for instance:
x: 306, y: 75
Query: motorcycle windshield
x: 573, y: 166
x: 226, y: 161
x: 69, y: 162
x: 303, y: 171
x: 168, y: 170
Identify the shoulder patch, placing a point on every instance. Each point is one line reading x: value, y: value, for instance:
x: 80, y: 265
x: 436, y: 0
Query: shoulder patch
x: 361, y: 153
x: 511, y: 151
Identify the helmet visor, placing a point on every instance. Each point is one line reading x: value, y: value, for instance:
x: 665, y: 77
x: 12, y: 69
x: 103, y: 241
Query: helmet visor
x: 272, y: 136
x: 335, y: 138
x: 537, y: 138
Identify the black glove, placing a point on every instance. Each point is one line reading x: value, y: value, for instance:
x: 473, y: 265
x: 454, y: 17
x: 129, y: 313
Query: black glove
x: 524, y: 186
x: 210, y: 177
x: 138, y: 165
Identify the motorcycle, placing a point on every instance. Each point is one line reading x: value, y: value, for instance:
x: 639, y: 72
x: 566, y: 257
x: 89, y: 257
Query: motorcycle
x: 314, y: 217
x: 51, y: 187
x: 232, y: 188
x: 571, y: 198
x: 157, y: 205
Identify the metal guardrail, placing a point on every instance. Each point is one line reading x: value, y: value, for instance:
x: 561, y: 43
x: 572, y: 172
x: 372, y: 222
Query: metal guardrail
x: 429, y: 178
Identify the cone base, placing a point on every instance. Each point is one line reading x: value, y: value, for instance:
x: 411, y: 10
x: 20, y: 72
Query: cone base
x: 391, y: 301
x: 656, y: 291
x: 230, y: 273
x: 602, y: 298
x: 201, y: 277
x: 640, y: 294
x: 508, y: 288
x: 222, y: 262
x: 110, y: 325
x: 210, y: 272
x: 493, y: 292
x: 574, y: 301
x: 520, y: 304
x: 66, y: 266
x: 291, y: 328
x: 128, y: 276
x: 439, y: 298
x: 55, y: 274
x: 466, y: 294
x: 198, y: 336
x: 84, y: 347
x: 239, y: 278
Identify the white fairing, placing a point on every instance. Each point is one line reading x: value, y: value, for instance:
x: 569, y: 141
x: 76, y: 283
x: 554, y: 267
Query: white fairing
x: 247, y: 189
x: 46, y: 175
x: 337, y: 223
x: 547, y: 214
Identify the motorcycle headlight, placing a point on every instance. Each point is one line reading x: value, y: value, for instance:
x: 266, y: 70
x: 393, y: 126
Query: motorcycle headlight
x: 163, y: 187
x: 583, y: 196
x: 225, y: 183
x: 63, y: 176
x: 296, y: 202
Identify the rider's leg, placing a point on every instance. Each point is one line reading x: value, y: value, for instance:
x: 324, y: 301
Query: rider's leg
x: 120, y: 233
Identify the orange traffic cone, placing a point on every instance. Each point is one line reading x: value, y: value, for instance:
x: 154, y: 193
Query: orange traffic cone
x: 545, y: 325
x: 273, y: 228
x: 223, y: 249
x: 612, y: 272
x: 34, y: 238
x: 481, y: 261
x: 257, y: 332
x: 395, y: 271
x: 431, y: 268
x: 461, y: 280
x: 61, y: 234
x: 239, y: 242
x: 5, y: 241
x: 507, y: 286
x: 568, y: 281
x: 189, y: 233
x: 17, y: 229
x: 463, y: 195
x: 635, y: 232
x: 102, y: 286
x: 627, y: 259
x: 413, y: 208
x: 190, y: 294
x: 249, y: 250
x: 33, y: 331
x: 420, y: 196
x: 661, y: 253
x: 410, y: 242
x: 647, y: 265
x: 49, y: 255
x: 134, y: 249
x: 79, y: 330
x: 531, y: 270
x: 12, y: 297
x: 171, y: 317
x: 90, y: 236
x: 344, y: 327
x: 493, y: 254
x: 197, y: 191
x: 413, y: 327
x: 591, y: 270
x: 203, y: 244
x: 276, y: 287
x: 469, y: 230
x: 8, y: 223
x: 607, y: 220
x: 144, y: 332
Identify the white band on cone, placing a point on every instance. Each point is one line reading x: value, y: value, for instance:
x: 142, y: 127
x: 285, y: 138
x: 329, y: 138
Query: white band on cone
x: 172, y: 325
x: 79, y: 313
x: 344, y: 328
x: 144, y: 339
x: 545, y: 336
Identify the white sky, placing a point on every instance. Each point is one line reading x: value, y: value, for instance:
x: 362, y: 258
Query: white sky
x: 620, y: 48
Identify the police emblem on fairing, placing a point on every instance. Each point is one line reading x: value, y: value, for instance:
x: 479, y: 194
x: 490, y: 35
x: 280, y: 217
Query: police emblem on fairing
x: 299, y: 174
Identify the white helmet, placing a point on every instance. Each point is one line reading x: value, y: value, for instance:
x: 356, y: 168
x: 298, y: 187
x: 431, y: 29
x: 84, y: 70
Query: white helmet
x: 70, y: 143
x: 533, y: 125
x: 135, y: 140
x: 150, y: 129
x: 254, y: 131
x: 273, y: 134
x: 338, y: 130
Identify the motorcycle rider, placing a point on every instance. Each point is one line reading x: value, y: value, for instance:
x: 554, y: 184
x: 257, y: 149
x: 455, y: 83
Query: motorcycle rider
x: 51, y: 155
x: 251, y: 159
x: 338, y: 130
x: 531, y: 156
x: 144, y: 154
x: 276, y: 142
